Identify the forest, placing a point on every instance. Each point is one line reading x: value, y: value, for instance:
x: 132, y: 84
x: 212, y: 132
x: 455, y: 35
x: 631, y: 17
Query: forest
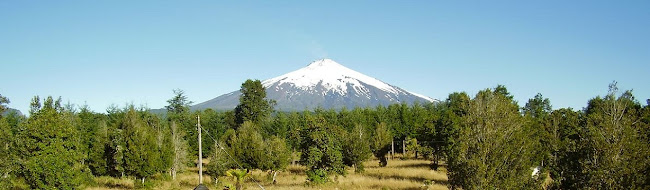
x: 483, y: 141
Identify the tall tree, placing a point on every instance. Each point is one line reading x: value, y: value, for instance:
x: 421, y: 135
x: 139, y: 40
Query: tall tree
x: 6, y: 137
x: 178, y: 104
x: 49, y: 156
x: 537, y: 112
x: 494, y: 150
x: 617, y: 156
x: 321, y: 149
x: 87, y: 124
x: 3, y: 104
x: 140, y: 148
x: 178, y: 116
x: 381, y: 142
x: 100, y: 153
x: 277, y: 156
x: 568, y: 132
x: 179, y: 147
x: 356, y: 148
x: 538, y: 107
x: 247, y: 146
x: 253, y: 105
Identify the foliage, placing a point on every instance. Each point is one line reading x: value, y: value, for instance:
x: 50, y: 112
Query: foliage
x: 494, y: 151
x: 356, y: 148
x: 239, y: 176
x: 220, y: 163
x: 412, y: 147
x: 140, y: 149
x: 6, y: 156
x: 249, y: 150
x: 252, y: 103
x: 617, y: 157
x: 321, y: 148
x: 277, y: 156
x: 537, y: 117
x: 179, y: 148
x: 317, y: 176
x: 178, y: 104
x: 3, y: 102
x: 49, y: 157
x: 567, y: 139
x: 248, y: 147
x: 486, y: 141
x: 178, y: 113
x: 381, y: 142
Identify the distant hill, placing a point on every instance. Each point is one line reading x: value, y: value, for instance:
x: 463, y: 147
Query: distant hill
x: 323, y: 83
x: 10, y: 110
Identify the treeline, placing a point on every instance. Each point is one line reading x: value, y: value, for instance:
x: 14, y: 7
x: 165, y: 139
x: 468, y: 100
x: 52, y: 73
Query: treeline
x: 485, y: 141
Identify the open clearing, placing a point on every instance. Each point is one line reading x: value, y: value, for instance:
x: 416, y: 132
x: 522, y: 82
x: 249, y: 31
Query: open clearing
x: 399, y: 174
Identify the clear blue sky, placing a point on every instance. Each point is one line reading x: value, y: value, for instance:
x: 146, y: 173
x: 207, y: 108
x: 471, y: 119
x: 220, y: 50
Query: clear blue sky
x: 117, y: 52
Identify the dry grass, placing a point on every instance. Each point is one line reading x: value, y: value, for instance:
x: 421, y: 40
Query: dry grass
x: 399, y: 174
x: 112, y: 183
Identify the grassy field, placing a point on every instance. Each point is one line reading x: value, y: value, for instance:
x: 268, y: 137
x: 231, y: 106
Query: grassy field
x: 399, y: 174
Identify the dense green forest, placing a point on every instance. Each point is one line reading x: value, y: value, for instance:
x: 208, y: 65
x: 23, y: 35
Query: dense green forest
x: 485, y: 141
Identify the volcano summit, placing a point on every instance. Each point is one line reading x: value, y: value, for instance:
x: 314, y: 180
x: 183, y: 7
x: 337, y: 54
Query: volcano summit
x: 323, y: 83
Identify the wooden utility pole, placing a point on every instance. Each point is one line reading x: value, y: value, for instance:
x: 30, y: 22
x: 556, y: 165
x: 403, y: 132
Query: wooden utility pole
x: 392, y: 149
x: 200, y: 186
x: 198, y: 127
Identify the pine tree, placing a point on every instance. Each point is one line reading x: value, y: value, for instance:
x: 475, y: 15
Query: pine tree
x: 568, y: 133
x: 178, y: 112
x: 253, y: 105
x: 140, y: 149
x: 49, y: 155
x: 537, y: 112
x: 99, y: 155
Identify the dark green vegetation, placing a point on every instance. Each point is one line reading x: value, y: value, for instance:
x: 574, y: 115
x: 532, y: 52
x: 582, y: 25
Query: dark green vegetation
x: 485, y: 141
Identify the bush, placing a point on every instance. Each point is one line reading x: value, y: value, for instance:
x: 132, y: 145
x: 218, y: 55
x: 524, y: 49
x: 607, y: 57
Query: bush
x: 317, y: 176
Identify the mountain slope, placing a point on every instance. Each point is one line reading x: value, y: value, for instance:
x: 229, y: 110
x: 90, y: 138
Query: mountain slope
x: 323, y: 83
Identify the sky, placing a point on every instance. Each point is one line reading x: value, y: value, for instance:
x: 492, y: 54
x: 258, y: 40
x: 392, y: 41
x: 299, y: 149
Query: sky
x: 103, y: 53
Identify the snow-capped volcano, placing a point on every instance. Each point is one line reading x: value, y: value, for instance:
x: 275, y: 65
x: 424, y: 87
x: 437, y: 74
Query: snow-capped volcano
x: 327, y: 84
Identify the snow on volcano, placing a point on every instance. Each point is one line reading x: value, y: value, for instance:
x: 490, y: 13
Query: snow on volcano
x: 327, y: 84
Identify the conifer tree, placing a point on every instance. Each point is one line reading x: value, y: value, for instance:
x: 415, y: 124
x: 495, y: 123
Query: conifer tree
x: 253, y: 105
x: 140, y: 149
x: 49, y: 154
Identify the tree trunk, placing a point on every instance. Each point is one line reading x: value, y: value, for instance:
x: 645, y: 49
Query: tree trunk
x: 403, y: 148
x: 392, y: 149
x: 275, y: 174
x: 293, y: 161
x: 142, y: 180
